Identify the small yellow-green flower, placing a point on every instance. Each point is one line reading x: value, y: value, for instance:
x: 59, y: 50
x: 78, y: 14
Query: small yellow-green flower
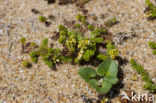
x: 113, y: 53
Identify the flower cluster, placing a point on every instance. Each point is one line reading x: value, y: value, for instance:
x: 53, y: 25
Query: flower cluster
x: 85, y: 47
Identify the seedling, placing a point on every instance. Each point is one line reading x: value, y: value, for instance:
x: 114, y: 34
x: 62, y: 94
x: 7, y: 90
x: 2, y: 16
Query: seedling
x: 26, y: 64
x: 111, y: 22
x: 107, y: 72
x: 153, y: 46
x: 150, y: 85
x: 150, y: 10
x: 23, y: 40
x: 42, y: 19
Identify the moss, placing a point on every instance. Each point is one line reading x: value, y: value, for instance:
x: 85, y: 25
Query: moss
x: 150, y: 85
x: 26, y: 64
x: 42, y: 19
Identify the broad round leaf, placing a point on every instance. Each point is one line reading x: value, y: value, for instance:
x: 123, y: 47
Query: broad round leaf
x: 112, y: 80
x: 107, y: 68
x: 86, y: 73
x: 93, y: 83
x: 106, y: 86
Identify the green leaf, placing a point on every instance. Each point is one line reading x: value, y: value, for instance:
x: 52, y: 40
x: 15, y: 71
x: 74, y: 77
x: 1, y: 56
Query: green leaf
x: 106, y: 86
x: 88, y: 54
x: 149, y: 3
x: 107, y: 68
x: 86, y: 73
x: 93, y: 83
x: 112, y: 80
x: 98, y: 40
x: 102, y: 57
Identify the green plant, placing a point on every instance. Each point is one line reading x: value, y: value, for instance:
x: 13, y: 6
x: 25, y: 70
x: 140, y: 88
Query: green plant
x: 107, y: 72
x: 111, y: 22
x: 49, y: 55
x: 112, y: 52
x: 102, y: 57
x: 26, y: 64
x: 78, y: 47
x: 42, y: 19
x: 78, y: 26
x: 34, y: 56
x: 154, y: 52
x: 52, y: 57
x: 98, y: 32
x: 151, y: 10
x: 153, y: 46
x: 85, y: 47
x: 23, y: 40
x: 33, y: 44
x: 91, y: 27
x: 63, y: 34
x: 81, y: 19
x: 150, y: 85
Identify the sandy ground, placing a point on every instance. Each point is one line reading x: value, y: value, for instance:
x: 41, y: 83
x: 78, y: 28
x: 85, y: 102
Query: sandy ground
x: 43, y: 85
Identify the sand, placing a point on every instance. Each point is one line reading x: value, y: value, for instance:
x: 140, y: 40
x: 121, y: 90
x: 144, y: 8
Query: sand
x: 43, y: 85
